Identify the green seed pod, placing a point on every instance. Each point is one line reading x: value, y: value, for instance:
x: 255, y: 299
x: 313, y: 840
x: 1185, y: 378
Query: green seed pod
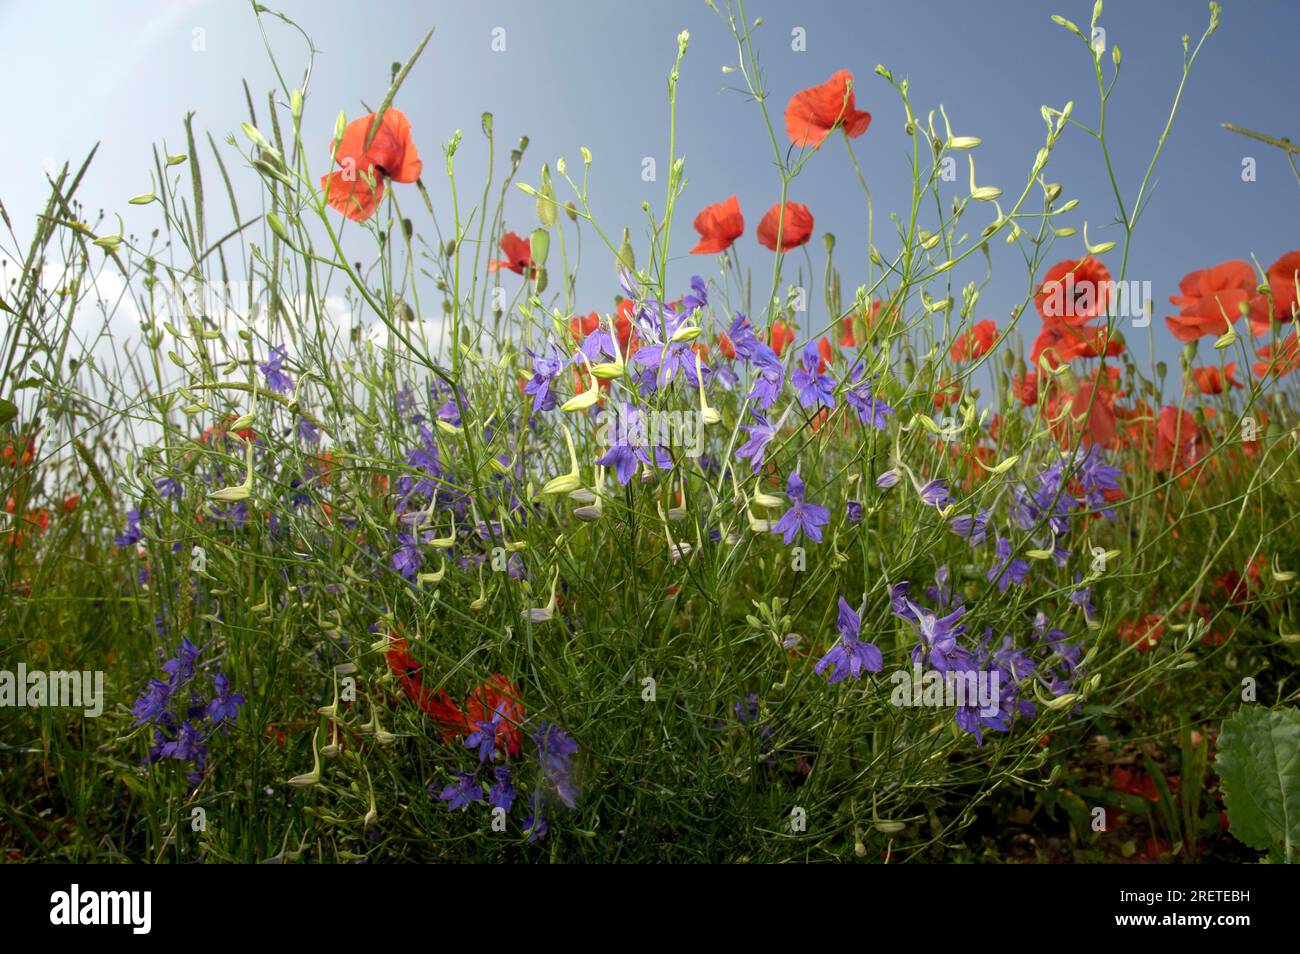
x: 539, y: 243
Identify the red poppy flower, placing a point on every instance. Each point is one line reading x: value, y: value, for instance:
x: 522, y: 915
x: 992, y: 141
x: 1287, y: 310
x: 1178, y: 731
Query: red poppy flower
x: 726, y: 346
x: 719, y: 225
x: 1211, y: 381
x: 796, y: 227
x: 1065, y: 343
x: 1146, y: 631
x: 1208, y: 294
x: 826, y: 354
x: 1095, y: 417
x: 391, y: 155
x: 518, y: 252
x: 438, y: 706
x: 498, y: 696
x: 1133, y: 783
x: 947, y: 393
x: 781, y: 336
x: 1282, y: 278
x: 623, y: 329
x: 814, y: 113
x: 1074, y: 292
x: 581, y: 326
x: 1179, y: 442
x: 15, y: 458
x: 1279, y: 359
x: 1026, y: 388
x: 976, y: 342
x: 71, y: 502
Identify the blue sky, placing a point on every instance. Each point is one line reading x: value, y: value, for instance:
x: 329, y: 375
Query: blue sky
x: 580, y: 72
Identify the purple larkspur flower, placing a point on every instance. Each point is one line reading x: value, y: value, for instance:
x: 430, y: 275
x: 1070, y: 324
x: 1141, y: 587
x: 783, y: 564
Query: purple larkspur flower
x: 188, y: 746
x: 1007, y: 571
x: 934, y: 493
x: 535, y: 824
x: 276, y: 379
x: 811, y: 386
x: 630, y: 447
x: 502, y: 794
x: 546, y: 368
x: 972, y: 528
x: 132, y: 534
x: 889, y: 478
x: 555, y: 751
x: 871, y: 408
x: 1082, y: 597
x: 802, y: 517
x: 407, y: 557
x: 938, y: 639
x: 853, y: 512
x: 169, y: 488
x: 180, y: 668
x: 769, y: 376
x: 850, y: 656
x: 746, y: 709
x: 153, y: 702
x: 484, y: 737
x: 760, y: 435
x: 225, y: 704
x: 460, y: 793
x: 308, y: 433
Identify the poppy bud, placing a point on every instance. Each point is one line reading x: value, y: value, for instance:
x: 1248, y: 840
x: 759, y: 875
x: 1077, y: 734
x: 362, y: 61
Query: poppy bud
x: 277, y: 226
x: 295, y: 103
x: 625, y: 256
x: 485, y: 122
x: 255, y: 137
x: 539, y: 242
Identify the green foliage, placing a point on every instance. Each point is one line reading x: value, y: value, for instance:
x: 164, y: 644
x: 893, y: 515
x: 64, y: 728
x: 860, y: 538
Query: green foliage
x: 1259, y: 763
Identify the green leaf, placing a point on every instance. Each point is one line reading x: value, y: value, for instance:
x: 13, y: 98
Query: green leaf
x: 1259, y: 763
x: 8, y: 411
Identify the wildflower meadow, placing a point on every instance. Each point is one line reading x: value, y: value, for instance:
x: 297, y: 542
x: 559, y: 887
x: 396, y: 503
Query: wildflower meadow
x: 399, y: 506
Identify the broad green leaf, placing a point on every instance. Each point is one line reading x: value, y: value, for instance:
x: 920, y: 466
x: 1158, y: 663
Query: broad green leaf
x: 8, y: 411
x: 1259, y: 764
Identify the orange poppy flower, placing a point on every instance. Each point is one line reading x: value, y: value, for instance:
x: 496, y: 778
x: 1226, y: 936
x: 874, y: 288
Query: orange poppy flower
x: 1282, y: 278
x: 1026, y: 388
x: 356, y: 189
x: 437, y: 706
x: 826, y: 354
x: 814, y: 113
x: 1094, y: 417
x: 1279, y: 359
x: 782, y: 335
x: 1074, y: 292
x: 1211, y: 381
x: 518, y: 252
x: 976, y: 342
x: 719, y: 225
x: 1208, y: 294
x: 726, y: 346
x: 1146, y: 631
x: 796, y: 227
x: 947, y: 393
x: 498, y: 696
x: 1179, y: 442
x: 581, y: 326
x: 1064, y: 343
